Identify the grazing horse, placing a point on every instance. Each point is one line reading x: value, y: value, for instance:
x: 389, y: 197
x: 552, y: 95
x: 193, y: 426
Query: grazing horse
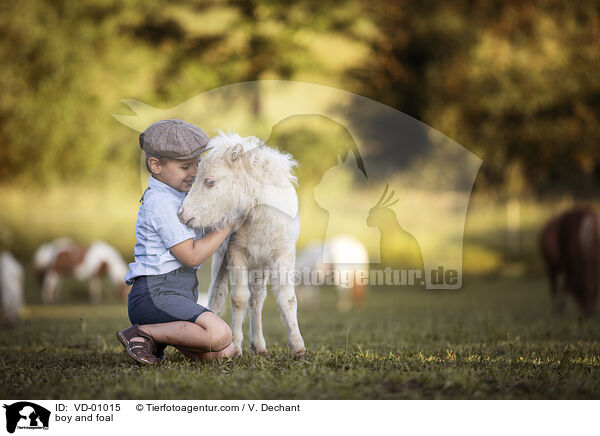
x: 570, y: 247
x: 63, y: 257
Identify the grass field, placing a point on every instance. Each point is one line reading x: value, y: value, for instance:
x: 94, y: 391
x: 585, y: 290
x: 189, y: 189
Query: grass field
x: 495, y: 338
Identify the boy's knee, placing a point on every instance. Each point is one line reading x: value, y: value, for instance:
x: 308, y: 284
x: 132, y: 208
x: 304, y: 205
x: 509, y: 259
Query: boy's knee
x: 219, y: 333
x: 220, y: 336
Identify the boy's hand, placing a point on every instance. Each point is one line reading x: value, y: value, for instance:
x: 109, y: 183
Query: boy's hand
x: 192, y: 253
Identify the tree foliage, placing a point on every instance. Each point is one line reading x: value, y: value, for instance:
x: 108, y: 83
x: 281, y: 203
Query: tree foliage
x: 516, y: 82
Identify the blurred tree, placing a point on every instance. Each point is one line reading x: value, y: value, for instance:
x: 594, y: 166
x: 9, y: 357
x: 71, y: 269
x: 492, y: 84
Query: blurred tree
x: 515, y: 82
x: 212, y: 44
x: 66, y: 64
x: 512, y: 81
x: 65, y: 67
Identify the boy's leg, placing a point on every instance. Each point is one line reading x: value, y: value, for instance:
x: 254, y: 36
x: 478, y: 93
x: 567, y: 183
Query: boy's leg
x: 208, y: 355
x: 208, y: 333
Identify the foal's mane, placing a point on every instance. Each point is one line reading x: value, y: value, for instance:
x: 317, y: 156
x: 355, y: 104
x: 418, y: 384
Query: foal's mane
x: 261, y: 162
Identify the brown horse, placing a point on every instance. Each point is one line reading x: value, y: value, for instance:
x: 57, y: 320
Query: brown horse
x: 570, y: 247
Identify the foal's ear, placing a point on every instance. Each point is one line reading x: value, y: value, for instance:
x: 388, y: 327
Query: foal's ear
x: 233, y: 155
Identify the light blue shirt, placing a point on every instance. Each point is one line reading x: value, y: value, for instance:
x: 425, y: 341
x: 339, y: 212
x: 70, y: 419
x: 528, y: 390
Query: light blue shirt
x: 157, y: 229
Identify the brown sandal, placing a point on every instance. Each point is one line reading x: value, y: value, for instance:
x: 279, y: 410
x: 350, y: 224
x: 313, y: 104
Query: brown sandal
x: 146, y: 352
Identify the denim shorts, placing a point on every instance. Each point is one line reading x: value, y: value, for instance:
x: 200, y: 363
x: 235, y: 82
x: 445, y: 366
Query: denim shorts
x: 164, y: 298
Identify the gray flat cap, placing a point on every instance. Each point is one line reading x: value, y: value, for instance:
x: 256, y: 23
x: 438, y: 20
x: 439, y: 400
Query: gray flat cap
x: 174, y: 138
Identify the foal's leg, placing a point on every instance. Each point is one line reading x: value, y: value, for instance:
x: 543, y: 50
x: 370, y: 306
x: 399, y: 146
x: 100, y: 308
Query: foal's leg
x: 286, y: 300
x: 258, y: 292
x: 239, y: 296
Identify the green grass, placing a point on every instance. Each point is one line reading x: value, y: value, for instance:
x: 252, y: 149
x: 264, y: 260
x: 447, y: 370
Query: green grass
x: 495, y: 338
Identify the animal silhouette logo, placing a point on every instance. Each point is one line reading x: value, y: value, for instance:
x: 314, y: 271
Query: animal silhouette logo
x: 397, y: 246
x: 26, y: 415
x: 432, y: 173
x: 339, y: 193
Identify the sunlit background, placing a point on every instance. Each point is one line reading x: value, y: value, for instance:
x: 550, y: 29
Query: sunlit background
x: 514, y: 85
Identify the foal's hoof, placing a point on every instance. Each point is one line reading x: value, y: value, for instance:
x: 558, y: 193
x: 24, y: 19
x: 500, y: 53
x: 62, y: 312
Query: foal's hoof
x: 260, y: 351
x: 300, y: 354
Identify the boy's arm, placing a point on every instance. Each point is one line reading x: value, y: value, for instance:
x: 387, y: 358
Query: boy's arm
x: 192, y: 252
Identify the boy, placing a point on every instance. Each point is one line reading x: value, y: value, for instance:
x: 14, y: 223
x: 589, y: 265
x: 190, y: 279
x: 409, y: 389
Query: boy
x: 162, y: 304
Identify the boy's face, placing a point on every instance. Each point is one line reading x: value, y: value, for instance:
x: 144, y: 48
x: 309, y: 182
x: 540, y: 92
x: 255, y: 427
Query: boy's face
x: 178, y: 174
